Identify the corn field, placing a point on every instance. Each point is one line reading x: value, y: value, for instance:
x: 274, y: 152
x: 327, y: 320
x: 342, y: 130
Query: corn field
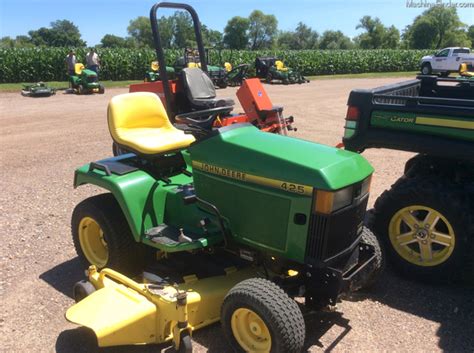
x: 47, y: 64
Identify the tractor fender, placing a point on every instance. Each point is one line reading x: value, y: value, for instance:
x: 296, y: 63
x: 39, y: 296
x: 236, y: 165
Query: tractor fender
x: 139, y: 195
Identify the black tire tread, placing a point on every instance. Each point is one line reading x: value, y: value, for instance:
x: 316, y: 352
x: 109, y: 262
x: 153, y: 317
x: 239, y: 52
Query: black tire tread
x: 368, y: 237
x: 124, y: 253
x: 281, y: 313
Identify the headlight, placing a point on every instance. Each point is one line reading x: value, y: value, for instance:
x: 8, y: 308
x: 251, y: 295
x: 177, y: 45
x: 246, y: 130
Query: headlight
x: 330, y: 201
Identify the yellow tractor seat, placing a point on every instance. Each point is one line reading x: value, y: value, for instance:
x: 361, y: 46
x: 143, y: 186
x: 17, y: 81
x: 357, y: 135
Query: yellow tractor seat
x: 280, y: 66
x: 464, y: 71
x: 155, y: 66
x: 138, y: 121
x: 78, y: 68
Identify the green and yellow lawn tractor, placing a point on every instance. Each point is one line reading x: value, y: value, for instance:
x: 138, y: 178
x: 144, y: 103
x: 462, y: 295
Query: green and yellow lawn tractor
x: 271, y: 69
x: 239, y: 222
x: 85, y: 81
x: 154, y: 73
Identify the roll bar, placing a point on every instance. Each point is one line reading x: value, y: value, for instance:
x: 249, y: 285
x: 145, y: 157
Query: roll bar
x: 159, y: 48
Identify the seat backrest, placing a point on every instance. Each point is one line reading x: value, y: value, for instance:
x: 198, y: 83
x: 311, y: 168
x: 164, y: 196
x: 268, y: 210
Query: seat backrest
x: 134, y: 111
x: 78, y: 68
x: 197, y: 84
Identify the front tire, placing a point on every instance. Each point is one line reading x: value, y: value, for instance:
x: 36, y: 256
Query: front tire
x: 424, y: 225
x: 258, y: 316
x: 369, y: 238
x: 102, y: 236
x: 426, y: 69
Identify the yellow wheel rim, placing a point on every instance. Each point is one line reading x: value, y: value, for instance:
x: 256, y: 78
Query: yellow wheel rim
x: 93, y: 244
x: 421, y: 235
x: 250, y: 331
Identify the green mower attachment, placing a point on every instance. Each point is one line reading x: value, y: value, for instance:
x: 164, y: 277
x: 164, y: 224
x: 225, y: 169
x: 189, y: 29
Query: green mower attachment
x: 39, y: 89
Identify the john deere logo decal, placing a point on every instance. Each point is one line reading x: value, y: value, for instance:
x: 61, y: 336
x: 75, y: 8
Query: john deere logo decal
x: 255, y: 179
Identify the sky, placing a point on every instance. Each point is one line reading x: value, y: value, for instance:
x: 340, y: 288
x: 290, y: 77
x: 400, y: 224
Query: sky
x: 95, y: 18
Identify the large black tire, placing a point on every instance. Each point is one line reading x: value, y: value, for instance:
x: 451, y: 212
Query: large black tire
x: 426, y: 69
x: 368, y: 237
x: 446, y: 199
x: 101, y: 89
x: 280, y: 314
x: 124, y: 254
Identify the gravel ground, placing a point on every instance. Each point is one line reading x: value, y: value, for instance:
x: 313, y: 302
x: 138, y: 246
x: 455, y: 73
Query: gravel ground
x: 43, y: 140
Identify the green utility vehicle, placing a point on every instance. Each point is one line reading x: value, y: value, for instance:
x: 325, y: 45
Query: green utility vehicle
x: 85, y: 81
x: 426, y: 219
x: 241, y: 221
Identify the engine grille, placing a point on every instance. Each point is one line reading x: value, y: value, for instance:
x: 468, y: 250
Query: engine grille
x: 329, y: 235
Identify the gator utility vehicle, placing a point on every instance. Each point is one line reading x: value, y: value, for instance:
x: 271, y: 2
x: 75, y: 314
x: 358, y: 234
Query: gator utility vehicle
x: 426, y: 219
x: 85, y: 81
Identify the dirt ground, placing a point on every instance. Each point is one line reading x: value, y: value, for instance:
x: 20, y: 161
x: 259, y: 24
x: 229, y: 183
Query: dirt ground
x: 42, y: 142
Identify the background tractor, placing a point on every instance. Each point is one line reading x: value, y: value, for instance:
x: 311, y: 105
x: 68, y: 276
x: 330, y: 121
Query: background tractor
x: 271, y: 69
x: 85, y: 81
x: 154, y: 73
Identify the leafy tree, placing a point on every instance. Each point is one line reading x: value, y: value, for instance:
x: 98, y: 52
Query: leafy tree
x: 262, y: 30
x: 7, y: 42
x: 236, y: 33
x: 140, y: 30
x: 470, y: 34
x: 63, y: 33
x: 183, y: 30
x: 113, y: 41
x: 335, y: 40
x: 211, y: 37
x: 302, y: 38
x: 436, y: 28
x: 18, y: 42
x: 376, y: 35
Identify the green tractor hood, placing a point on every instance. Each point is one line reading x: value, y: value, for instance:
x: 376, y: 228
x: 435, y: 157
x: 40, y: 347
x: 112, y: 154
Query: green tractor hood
x: 278, y: 158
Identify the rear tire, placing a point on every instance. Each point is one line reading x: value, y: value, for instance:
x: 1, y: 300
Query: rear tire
x: 101, y: 89
x: 116, y: 247
x: 425, y: 227
x: 80, y: 89
x: 258, y: 313
x: 426, y: 69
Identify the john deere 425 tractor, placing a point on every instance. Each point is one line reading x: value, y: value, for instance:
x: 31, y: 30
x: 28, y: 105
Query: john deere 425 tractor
x: 241, y: 222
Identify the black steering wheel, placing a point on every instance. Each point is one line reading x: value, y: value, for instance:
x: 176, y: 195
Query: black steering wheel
x: 202, y: 119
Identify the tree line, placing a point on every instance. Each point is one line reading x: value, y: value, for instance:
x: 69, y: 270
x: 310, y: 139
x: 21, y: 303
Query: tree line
x: 436, y: 27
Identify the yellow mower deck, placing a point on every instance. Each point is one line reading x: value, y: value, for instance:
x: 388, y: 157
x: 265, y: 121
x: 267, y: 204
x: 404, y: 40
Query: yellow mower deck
x: 124, y: 312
